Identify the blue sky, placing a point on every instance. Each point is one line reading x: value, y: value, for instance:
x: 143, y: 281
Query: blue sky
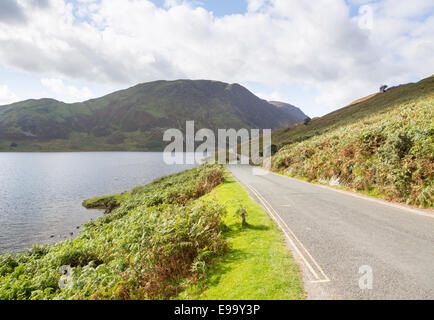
x: 226, y: 7
x: 218, y: 7
x: 319, y: 55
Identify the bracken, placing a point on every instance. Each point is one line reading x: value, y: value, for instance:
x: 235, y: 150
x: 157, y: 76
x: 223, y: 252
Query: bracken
x: 389, y: 155
x: 159, y: 238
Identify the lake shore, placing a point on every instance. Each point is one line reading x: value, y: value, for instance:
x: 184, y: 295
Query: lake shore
x: 180, y: 230
x: 42, y: 193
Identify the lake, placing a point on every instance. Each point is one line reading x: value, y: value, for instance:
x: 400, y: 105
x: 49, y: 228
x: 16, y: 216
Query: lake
x: 41, y: 193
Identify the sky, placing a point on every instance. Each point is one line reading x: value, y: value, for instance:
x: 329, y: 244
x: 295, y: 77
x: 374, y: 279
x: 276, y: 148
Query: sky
x: 318, y: 55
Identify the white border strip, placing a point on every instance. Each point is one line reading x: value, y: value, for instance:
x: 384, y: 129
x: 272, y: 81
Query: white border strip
x: 283, y: 226
x: 326, y: 278
x: 361, y: 196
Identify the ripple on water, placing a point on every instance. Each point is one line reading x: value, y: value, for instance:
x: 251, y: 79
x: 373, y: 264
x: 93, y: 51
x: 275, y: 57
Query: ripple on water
x: 41, y: 193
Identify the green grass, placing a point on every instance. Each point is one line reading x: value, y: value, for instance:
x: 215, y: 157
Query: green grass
x: 258, y: 265
x: 106, y: 202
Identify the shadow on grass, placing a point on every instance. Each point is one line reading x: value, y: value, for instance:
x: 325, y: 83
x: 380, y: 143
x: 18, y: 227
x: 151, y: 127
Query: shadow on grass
x: 237, y: 228
x: 224, y: 265
x: 227, y: 263
x: 229, y: 182
x: 257, y: 227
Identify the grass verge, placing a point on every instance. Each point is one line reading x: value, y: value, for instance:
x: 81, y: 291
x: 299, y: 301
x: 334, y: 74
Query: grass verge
x: 257, y: 266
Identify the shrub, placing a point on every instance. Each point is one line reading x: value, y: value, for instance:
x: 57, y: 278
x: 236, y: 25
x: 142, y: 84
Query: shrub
x: 159, y: 238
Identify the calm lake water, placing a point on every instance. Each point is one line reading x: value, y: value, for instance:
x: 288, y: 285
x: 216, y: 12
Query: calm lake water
x: 41, y: 193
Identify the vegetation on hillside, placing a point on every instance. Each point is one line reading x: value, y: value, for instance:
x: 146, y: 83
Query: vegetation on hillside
x: 136, y: 118
x: 357, y: 110
x: 388, y: 154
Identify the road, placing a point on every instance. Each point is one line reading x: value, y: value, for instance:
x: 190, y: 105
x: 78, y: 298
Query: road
x: 348, y: 246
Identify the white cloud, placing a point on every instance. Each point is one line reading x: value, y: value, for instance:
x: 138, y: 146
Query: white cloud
x: 7, y: 96
x: 307, y: 43
x: 273, y: 96
x: 255, y: 5
x: 67, y: 93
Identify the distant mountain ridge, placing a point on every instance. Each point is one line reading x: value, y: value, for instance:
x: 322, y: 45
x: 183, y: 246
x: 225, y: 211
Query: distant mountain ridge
x: 136, y: 118
x: 293, y: 111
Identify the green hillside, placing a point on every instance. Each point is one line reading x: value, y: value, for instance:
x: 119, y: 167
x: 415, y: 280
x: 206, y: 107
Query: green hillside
x: 136, y: 118
x: 382, y: 146
x: 361, y: 108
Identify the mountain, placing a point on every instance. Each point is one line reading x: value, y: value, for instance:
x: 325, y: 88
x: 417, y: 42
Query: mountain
x: 293, y: 111
x: 135, y: 118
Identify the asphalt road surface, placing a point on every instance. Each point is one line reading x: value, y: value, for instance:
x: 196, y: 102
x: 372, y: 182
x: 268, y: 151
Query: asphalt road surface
x: 348, y: 246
